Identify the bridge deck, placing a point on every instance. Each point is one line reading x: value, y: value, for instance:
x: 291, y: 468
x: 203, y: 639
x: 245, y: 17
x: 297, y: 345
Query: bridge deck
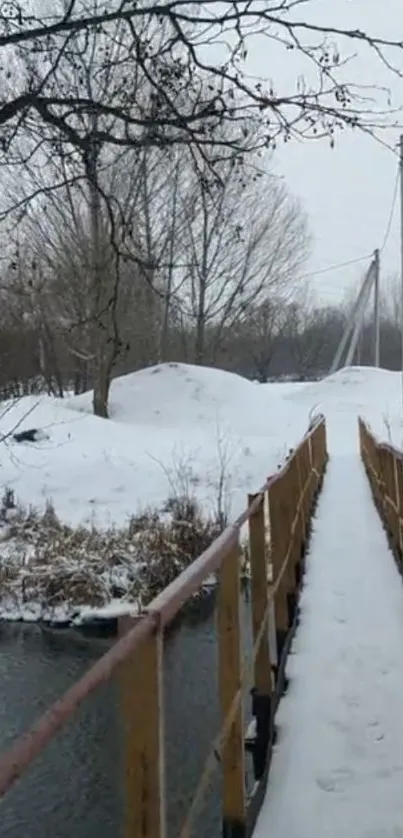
x: 338, y: 765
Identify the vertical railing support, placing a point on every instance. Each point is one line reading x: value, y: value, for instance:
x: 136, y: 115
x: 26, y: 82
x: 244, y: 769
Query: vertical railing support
x: 391, y: 497
x: 399, y: 499
x: 230, y: 676
x: 294, y: 535
x: 141, y: 700
x: 305, y: 469
x: 279, y: 536
x: 261, y: 694
x: 302, y: 524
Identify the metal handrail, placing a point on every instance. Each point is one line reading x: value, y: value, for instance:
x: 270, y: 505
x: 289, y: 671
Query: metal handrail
x: 159, y: 613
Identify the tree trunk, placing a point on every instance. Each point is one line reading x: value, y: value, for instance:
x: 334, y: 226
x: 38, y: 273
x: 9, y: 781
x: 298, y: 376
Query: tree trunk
x: 102, y: 383
x: 163, y: 348
x: 106, y: 344
x: 199, y: 343
x: 100, y: 330
x: 77, y: 382
x: 81, y: 384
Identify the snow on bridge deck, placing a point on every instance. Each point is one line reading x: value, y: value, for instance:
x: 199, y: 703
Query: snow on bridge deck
x: 338, y: 763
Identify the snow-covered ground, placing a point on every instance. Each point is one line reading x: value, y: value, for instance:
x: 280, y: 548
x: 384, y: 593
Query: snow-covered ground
x: 374, y: 394
x: 176, y: 427
x: 338, y: 762
x: 173, y: 429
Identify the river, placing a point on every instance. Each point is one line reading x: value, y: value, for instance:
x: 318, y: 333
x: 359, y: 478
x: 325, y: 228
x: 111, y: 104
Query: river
x: 74, y: 789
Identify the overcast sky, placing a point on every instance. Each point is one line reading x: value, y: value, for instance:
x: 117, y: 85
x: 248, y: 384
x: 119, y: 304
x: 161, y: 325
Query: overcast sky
x: 347, y: 191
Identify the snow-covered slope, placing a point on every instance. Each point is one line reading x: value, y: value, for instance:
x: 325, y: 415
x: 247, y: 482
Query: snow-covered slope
x: 354, y: 388
x: 172, y: 428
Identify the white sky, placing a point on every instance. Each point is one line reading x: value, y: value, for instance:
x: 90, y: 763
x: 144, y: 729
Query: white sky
x: 347, y: 191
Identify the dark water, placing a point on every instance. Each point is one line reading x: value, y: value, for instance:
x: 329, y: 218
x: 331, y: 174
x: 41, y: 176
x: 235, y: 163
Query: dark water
x: 74, y: 789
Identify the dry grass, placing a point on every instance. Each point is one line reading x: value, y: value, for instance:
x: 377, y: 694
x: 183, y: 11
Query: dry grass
x: 47, y: 564
x: 170, y: 545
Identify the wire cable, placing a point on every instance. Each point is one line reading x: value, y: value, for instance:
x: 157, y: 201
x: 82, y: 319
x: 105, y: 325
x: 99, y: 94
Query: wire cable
x: 335, y: 267
x: 367, y: 256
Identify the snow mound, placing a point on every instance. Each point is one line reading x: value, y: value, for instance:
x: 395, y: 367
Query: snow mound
x: 374, y: 394
x: 365, y: 377
x: 173, y: 428
x: 175, y: 394
x: 353, y: 390
x: 349, y: 381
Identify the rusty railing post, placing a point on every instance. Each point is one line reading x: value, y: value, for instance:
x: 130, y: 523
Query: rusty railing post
x: 308, y: 444
x: 306, y: 479
x: 390, y: 495
x: 230, y: 676
x: 361, y: 439
x: 399, y: 499
x: 295, y: 533
x: 261, y: 693
x: 141, y: 703
x: 395, y: 501
x: 288, y: 507
x: 302, y: 524
x: 278, y: 534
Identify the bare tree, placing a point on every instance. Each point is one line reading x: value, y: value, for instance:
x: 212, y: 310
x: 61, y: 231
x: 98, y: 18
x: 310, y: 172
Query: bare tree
x: 310, y: 334
x: 245, y: 239
x: 182, y: 240
x: 83, y: 213
x: 257, y: 334
x: 87, y: 80
x: 159, y: 217
x: 171, y: 46
x: 391, y: 299
x: 85, y: 295
x: 20, y: 361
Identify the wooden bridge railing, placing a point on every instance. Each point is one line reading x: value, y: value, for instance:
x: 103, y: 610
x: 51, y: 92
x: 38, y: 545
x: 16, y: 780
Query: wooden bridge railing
x: 279, y: 518
x: 384, y: 466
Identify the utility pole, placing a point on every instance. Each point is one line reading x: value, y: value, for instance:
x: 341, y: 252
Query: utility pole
x: 360, y: 314
x: 358, y: 352
x: 376, y: 309
x: 357, y: 310
x: 401, y: 253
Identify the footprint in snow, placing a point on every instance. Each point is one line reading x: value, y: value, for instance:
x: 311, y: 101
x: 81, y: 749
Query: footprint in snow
x: 336, y: 781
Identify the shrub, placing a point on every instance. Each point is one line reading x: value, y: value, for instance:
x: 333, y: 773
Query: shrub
x: 47, y: 563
